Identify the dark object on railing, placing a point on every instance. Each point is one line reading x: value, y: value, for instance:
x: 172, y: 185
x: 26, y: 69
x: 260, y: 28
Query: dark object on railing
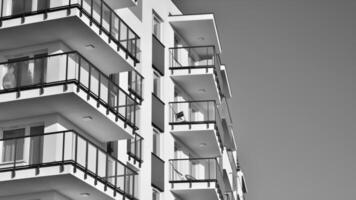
x: 207, y: 111
x: 134, y: 148
x: 72, y: 68
x: 77, y: 151
x: 97, y: 11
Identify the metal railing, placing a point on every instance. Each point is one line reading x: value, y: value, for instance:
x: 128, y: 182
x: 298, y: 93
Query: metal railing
x: 134, y: 148
x: 192, y: 170
x: 191, y: 57
x: 135, y: 80
x: 98, y: 11
x: 63, y: 69
x: 67, y: 148
x: 193, y: 112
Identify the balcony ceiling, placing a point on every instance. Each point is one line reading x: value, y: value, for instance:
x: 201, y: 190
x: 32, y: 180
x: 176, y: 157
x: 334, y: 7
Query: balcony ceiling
x: 197, y: 30
x: 198, y: 86
x: 194, y: 138
x: 68, y: 105
x: 73, y: 32
x: 196, y: 194
x: 116, y: 4
x: 67, y: 185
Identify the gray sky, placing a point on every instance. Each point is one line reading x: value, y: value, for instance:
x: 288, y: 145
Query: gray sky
x: 292, y: 69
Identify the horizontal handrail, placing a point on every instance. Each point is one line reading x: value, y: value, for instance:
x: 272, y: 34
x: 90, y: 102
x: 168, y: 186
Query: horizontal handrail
x: 109, y: 21
x: 72, y: 148
x: 193, y: 47
x: 71, y: 67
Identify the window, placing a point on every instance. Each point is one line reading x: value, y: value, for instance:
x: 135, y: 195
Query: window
x: 21, y: 6
x: 157, y: 84
x: 155, y: 195
x: 157, y: 142
x: 157, y: 26
x: 11, y: 154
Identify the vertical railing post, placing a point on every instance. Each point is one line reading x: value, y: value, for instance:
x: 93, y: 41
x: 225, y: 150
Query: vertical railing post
x: 118, y: 34
x: 115, y: 182
x: 69, y: 7
x: 81, y: 8
x: 99, y: 90
x: 63, y: 150
x: 89, y: 81
x: 14, y: 166
x: 86, y: 159
x: 125, y: 172
x: 127, y: 41
x: 42, y: 74
x: 101, y: 17
x: 106, y: 171
x: 96, y: 166
x: 110, y: 28
x: 66, y: 73
x: 91, y: 12
x: 75, y: 153
x: 125, y: 125
x: 135, y: 54
x: 1, y: 12
x: 117, y: 105
x: 79, y: 70
x: 109, y: 100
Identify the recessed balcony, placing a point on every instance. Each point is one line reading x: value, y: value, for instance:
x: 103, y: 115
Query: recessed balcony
x: 198, y: 125
x: 196, y: 178
x: 91, y: 27
x: 197, y: 70
x: 67, y: 84
x: 65, y: 162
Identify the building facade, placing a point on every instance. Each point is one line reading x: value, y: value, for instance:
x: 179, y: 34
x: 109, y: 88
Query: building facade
x: 112, y: 100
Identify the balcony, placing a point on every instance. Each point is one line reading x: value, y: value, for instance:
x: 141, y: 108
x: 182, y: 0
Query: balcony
x: 134, y: 149
x: 196, y: 178
x: 197, y: 70
x: 197, y: 29
x: 66, y: 162
x: 198, y: 125
x: 91, y: 27
x: 67, y: 84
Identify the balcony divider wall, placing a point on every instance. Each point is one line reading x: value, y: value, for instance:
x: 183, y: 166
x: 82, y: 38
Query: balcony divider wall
x: 64, y: 148
x: 68, y: 68
x: 97, y: 11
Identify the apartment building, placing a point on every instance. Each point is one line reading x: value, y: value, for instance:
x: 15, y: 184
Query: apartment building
x: 113, y: 100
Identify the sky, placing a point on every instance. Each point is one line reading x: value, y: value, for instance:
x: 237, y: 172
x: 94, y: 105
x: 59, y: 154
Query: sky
x: 292, y: 70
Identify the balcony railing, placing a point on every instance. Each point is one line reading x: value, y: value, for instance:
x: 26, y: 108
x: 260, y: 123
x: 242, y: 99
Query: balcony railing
x: 194, y: 57
x: 134, y: 148
x: 97, y: 11
x: 63, y: 69
x: 67, y: 148
x: 193, y: 112
x: 135, y: 80
x: 192, y: 170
